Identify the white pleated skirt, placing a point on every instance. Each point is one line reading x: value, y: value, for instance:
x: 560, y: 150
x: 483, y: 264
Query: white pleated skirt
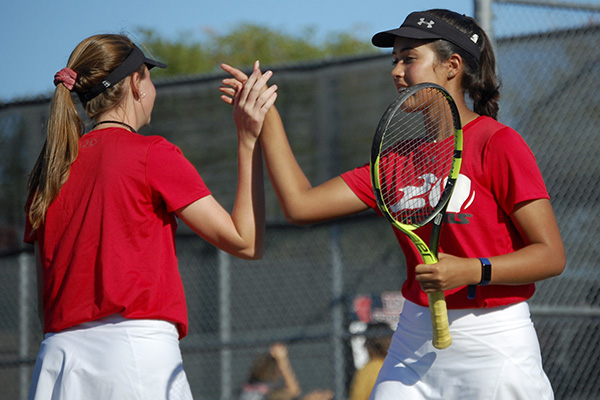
x: 112, y: 358
x: 494, y: 355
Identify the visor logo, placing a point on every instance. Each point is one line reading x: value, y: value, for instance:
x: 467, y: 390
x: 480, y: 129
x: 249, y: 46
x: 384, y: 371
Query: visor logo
x: 429, y: 24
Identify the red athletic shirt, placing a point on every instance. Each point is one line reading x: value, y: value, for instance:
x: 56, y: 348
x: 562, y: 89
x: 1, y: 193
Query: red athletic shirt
x: 498, y: 171
x: 107, y: 245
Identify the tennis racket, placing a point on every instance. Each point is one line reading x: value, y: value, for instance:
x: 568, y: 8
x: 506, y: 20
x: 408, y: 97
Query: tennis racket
x: 415, y: 160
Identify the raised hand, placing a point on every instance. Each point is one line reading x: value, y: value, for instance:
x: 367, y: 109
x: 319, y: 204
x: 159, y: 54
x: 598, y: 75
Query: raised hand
x: 251, y: 100
x: 234, y: 84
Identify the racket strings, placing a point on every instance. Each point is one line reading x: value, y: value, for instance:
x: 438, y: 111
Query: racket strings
x: 416, y: 156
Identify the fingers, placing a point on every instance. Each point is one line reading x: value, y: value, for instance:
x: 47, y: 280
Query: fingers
x: 235, y: 85
x: 250, y: 97
x: 268, y: 98
x: 232, y: 85
x: 428, y: 277
x: 253, y: 93
x: 251, y: 101
x: 236, y: 73
x: 249, y: 88
x: 230, y: 88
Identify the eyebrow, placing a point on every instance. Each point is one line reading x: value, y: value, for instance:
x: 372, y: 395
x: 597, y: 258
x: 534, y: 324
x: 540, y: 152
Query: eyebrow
x: 402, y: 50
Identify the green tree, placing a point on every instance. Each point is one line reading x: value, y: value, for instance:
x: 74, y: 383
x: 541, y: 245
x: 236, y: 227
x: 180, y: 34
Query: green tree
x: 241, y: 46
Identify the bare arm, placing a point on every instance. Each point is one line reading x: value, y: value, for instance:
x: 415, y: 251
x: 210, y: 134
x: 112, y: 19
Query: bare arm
x: 280, y: 353
x: 542, y: 257
x: 300, y: 201
x: 241, y: 233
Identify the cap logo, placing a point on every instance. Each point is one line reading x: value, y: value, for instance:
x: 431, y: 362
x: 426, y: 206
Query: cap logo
x: 475, y: 38
x: 429, y: 24
x: 106, y: 84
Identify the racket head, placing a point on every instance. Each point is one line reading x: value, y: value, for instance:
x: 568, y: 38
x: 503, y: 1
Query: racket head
x: 416, y: 155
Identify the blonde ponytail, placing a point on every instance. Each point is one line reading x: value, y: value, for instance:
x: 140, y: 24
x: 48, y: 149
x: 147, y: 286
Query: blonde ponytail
x: 91, y: 60
x: 51, y: 170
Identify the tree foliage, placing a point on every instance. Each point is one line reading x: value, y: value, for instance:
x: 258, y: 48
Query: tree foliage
x: 241, y: 46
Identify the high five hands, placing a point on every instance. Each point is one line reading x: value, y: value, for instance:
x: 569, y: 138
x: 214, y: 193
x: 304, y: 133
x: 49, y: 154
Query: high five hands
x: 250, y: 96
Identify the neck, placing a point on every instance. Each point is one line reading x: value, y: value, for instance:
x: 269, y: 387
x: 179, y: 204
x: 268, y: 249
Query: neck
x: 116, y: 123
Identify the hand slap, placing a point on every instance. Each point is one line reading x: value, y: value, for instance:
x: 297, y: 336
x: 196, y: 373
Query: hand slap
x: 252, y: 101
x: 235, y: 84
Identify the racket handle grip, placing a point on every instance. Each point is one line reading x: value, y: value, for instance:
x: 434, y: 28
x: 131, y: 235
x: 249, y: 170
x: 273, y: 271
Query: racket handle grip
x: 439, y: 320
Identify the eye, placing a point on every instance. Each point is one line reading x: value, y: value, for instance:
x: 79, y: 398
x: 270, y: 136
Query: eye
x: 403, y: 60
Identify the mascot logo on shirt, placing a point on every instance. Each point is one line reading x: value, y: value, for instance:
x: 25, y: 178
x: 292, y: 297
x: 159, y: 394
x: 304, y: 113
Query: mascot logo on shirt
x: 462, y: 198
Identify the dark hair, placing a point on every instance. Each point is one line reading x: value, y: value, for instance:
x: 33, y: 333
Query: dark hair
x: 264, y: 369
x: 378, y: 338
x: 479, y: 76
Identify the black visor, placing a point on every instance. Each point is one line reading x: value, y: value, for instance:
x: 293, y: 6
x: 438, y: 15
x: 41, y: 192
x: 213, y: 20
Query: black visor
x: 419, y: 25
x: 132, y: 63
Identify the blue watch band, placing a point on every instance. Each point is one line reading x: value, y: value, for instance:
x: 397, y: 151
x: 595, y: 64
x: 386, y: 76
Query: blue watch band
x: 486, y: 271
x: 486, y: 277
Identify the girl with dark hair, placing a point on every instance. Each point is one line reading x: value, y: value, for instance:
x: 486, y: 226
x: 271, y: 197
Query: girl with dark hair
x: 271, y: 371
x: 102, y: 217
x: 378, y: 337
x: 500, y: 237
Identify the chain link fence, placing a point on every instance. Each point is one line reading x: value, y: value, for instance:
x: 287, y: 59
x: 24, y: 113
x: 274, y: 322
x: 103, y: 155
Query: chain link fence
x: 317, y: 285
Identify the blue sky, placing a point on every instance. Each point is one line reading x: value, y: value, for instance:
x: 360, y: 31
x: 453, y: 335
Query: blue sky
x: 37, y: 36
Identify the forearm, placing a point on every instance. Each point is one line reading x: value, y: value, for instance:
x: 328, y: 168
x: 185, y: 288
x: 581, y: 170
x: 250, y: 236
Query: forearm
x: 530, y: 264
x: 291, y: 382
x: 542, y: 257
x: 289, y: 181
x: 300, y: 202
x: 248, y: 213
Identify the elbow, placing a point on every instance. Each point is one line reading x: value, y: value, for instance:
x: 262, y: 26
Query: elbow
x: 255, y: 256
x: 251, y: 254
x: 296, y: 217
x: 560, y: 263
x: 557, y: 262
x: 295, y: 392
x: 294, y: 220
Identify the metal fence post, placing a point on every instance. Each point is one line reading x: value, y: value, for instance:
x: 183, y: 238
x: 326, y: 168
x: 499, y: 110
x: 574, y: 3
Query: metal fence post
x: 483, y: 15
x: 225, y: 323
x: 337, y: 310
x: 25, y: 311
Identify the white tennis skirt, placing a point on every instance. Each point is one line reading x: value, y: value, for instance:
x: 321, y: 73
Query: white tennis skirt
x: 494, y: 355
x: 112, y: 358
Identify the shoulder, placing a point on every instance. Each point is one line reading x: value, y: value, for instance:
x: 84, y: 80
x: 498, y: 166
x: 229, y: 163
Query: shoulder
x: 485, y: 134
x: 485, y: 128
x: 153, y: 140
x: 155, y: 146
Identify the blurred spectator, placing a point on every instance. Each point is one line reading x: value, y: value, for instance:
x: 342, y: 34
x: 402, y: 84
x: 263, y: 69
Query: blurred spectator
x: 378, y: 338
x: 266, y: 373
x: 279, y: 394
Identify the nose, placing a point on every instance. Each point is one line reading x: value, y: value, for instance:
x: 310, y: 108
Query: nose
x: 398, y: 70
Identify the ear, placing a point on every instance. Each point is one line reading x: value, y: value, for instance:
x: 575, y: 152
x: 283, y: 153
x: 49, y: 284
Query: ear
x: 135, y: 82
x: 454, y: 65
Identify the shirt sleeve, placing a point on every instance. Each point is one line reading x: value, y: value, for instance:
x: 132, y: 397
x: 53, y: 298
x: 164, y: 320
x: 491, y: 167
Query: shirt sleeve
x: 173, y: 177
x: 359, y: 181
x: 521, y: 179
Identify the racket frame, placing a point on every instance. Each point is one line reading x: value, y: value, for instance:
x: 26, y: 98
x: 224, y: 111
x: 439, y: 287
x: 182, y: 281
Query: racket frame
x: 437, y: 304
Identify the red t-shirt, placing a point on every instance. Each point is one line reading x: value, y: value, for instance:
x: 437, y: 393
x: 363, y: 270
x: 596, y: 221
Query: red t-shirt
x: 107, y: 245
x: 498, y: 171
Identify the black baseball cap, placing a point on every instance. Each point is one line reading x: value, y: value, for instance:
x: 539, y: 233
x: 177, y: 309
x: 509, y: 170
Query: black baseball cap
x: 132, y: 63
x: 420, y: 25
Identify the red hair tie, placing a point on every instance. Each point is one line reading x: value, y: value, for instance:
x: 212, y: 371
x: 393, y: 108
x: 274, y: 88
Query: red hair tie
x: 67, y: 77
